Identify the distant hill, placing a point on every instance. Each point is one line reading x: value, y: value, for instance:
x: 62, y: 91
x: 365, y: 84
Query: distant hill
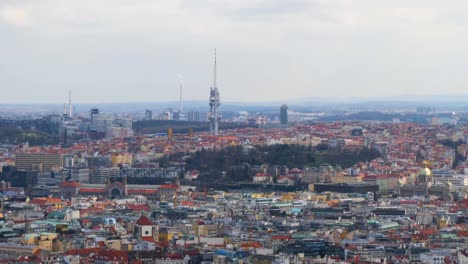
x: 10, y: 135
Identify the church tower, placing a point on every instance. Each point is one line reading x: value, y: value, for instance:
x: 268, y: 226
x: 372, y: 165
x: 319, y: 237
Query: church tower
x: 425, y: 174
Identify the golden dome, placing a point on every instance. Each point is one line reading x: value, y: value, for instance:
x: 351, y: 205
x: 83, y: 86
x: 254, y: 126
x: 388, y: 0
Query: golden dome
x: 425, y: 172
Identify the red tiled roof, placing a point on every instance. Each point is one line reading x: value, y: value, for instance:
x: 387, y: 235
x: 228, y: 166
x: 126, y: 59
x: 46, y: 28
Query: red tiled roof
x: 281, y: 237
x: 149, y: 239
x: 142, y: 191
x: 144, y: 221
x: 38, y: 201
x: 83, y: 251
x: 168, y: 186
x: 70, y: 184
x: 428, y: 231
x: 186, y: 203
x: 253, y: 244
x: 45, y: 200
x: 91, y: 210
x: 92, y: 190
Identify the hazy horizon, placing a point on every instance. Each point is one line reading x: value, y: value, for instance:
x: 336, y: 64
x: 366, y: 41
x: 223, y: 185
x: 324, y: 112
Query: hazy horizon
x: 268, y: 50
x: 411, y: 98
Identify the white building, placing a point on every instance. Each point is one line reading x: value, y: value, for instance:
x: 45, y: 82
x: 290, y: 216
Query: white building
x: 457, y: 180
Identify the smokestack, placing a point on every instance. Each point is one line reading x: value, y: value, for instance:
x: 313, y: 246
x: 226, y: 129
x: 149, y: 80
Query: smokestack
x: 70, y: 110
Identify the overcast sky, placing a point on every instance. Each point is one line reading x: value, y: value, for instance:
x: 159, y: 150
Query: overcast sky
x: 136, y: 50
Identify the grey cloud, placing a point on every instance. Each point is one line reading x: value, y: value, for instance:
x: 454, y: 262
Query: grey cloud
x: 267, y: 50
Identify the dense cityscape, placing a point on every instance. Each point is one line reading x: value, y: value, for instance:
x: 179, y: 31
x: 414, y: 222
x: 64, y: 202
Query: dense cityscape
x: 233, y: 132
x: 115, y: 188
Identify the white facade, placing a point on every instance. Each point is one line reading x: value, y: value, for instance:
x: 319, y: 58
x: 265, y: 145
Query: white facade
x: 433, y: 258
x: 457, y: 180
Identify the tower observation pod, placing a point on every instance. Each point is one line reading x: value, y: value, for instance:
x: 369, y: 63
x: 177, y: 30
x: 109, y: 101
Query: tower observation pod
x: 215, y: 102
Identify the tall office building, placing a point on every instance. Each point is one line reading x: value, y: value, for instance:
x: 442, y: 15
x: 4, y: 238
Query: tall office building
x: 284, y: 114
x: 177, y: 116
x: 68, y: 160
x: 149, y: 115
x: 101, y: 175
x: 196, y: 116
x: 42, y: 162
x: 93, y: 112
x: 23, y: 178
x: 98, y: 161
x: 193, y: 116
x: 79, y: 174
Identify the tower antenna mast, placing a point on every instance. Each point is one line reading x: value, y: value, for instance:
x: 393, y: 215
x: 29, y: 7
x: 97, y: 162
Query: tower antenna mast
x: 214, y: 71
x: 215, y: 102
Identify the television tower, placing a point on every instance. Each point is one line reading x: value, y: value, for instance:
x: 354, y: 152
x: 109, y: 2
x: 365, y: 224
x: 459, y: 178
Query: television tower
x: 215, y: 102
x: 70, y: 109
x: 180, y: 95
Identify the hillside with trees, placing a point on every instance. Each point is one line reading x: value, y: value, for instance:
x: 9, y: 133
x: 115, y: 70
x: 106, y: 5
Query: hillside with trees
x: 237, y: 161
x: 11, y: 135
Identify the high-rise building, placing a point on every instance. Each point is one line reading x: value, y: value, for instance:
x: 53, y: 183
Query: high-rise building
x: 93, y: 112
x: 196, y: 116
x: 102, y: 175
x: 24, y: 178
x: 102, y: 122
x: 193, y: 116
x: 284, y: 114
x: 98, y: 161
x: 68, y: 160
x: 79, y: 174
x: 176, y: 116
x: 52, y: 178
x: 149, y: 115
x: 43, y: 162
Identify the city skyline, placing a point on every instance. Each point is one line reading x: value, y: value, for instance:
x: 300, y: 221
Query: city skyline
x: 269, y: 50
